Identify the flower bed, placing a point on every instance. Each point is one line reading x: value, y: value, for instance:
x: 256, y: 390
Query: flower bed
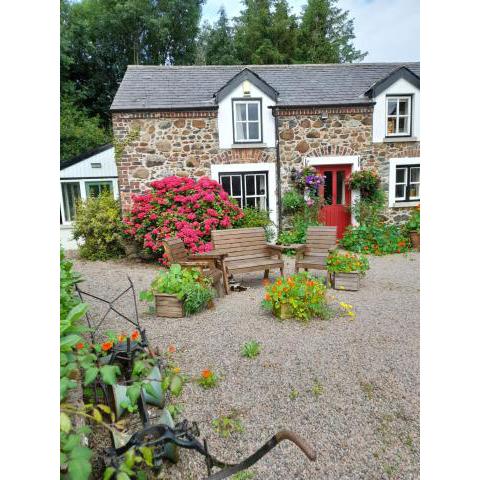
x: 179, y: 207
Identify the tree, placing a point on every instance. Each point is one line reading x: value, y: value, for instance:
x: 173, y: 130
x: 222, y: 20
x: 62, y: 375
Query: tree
x: 284, y: 32
x: 326, y: 34
x: 79, y: 132
x: 216, y: 42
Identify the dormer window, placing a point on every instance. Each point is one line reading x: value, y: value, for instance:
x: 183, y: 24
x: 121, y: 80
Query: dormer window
x: 399, y: 116
x: 247, y: 124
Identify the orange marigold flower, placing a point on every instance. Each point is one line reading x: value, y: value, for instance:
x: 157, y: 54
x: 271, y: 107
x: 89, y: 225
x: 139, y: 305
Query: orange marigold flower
x: 171, y: 349
x: 279, y: 281
x: 79, y: 346
x: 207, y: 373
x: 266, y: 281
x: 135, y: 335
x: 122, y: 338
x: 267, y: 297
x: 106, y: 346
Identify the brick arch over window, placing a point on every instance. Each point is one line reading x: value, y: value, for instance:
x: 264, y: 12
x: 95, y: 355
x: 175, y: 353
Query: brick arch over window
x: 245, y: 155
x: 412, y: 151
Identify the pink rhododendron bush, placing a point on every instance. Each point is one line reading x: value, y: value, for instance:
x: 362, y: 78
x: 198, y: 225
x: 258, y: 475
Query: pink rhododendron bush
x: 180, y: 207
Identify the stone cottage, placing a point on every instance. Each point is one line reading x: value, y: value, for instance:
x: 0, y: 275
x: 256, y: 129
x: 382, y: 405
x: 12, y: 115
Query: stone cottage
x: 248, y: 126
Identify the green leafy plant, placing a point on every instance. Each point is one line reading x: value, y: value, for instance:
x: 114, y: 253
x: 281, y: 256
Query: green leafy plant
x: 317, y: 388
x: 367, y: 181
x: 207, y: 379
x: 253, y: 217
x: 98, y: 224
x: 298, y: 232
x: 294, y: 394
x: 243, y: 476
x: 301, y: 295
x: 292, y: 202
x: 227, y: 425
x: 347, y: 262
x: 413, y: 223
x: 188, y: 284
x: 251, y: 349
x: 376, y: 239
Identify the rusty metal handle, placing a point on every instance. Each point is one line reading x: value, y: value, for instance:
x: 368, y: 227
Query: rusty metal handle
x: 298, y: 441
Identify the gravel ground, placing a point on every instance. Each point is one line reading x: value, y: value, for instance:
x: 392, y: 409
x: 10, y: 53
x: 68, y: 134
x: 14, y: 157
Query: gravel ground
x: 365, y: 422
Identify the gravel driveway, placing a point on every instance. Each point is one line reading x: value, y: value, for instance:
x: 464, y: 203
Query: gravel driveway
x: 363, y: 420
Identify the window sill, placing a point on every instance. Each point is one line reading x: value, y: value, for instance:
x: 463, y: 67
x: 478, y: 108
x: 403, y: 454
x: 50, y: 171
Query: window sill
x: 406, y: 204
x: 249, y: 145
x: 399, y: 139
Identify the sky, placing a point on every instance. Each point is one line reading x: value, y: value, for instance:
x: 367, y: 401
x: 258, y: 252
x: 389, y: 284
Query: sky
x: 388, y: 29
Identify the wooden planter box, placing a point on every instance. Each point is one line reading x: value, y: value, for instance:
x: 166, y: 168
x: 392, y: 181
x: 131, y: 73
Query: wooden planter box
x: 167, y: 305
x: 283, y: 312
x: 415, y: 239
x: 346, y: 281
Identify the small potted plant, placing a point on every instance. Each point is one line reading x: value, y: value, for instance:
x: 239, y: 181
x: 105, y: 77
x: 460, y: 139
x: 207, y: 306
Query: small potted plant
x: 345, y: 269
x: 179, y: 291
x: 412, y: 228
x: 299, y: 296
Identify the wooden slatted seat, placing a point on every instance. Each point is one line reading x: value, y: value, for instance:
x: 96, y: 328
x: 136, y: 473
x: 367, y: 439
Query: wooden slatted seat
x: 248, y: 250
x: 211, y: 265
x: 320, y: 242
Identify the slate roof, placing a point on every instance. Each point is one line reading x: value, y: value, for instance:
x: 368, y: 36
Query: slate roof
x: 147, y: 87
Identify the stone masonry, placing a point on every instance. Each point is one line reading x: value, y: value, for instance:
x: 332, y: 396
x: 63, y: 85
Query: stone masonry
x: 185, y: 143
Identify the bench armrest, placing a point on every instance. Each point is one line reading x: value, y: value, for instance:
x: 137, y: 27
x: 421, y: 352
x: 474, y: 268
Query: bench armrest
x: 284, y: 248
x: 198, y: 264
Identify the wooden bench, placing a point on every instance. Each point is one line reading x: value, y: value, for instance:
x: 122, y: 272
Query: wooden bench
x: 211, y: 265
x: 320, y: 242
x: 247, y: 250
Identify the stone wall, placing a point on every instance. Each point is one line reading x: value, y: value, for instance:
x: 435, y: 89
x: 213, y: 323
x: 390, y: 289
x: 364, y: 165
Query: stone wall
x: 173, y: 143
x: 185, y: 143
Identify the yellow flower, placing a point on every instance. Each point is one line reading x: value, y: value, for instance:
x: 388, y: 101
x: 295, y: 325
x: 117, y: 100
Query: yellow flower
x: 176, y: 370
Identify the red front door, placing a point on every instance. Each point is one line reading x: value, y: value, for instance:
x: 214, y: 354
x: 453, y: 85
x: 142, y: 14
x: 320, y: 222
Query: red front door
x: 337, y: 195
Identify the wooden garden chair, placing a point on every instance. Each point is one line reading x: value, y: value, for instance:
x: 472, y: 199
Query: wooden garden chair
x: 248, y: 251
x: 313, y: 254
x: 210, y: 264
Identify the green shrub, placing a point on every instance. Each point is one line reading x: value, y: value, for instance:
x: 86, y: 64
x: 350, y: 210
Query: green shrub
x: 253, y: 217
x: 413, y: 223
x: 347, y: 262
x: 369, y: 211
x: 292, y: 202
x: 98, y: 223
x: 186, y: 283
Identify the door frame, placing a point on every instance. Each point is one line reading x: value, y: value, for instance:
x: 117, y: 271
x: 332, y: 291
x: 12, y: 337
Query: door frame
x: 353, y: 160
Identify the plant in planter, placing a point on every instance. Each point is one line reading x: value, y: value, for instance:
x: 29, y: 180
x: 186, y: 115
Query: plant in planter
x: 299, y: 296
x: 412, y: 227
x: 292, y: 202
x: 367, y: 181
x: 179, y: 291
x: 346, y: 269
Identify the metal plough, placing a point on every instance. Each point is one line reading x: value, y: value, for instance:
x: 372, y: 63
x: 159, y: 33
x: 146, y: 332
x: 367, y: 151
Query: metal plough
x: 159, y: 432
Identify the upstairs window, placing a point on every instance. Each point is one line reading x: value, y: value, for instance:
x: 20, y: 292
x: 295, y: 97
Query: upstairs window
x: 407, y: 183
x: 247, y: 125
x: 399, y: 116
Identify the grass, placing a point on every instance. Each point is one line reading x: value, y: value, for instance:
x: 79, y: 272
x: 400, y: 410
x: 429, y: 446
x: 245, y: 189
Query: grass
x: 251, y: 349
x: 367, y: 389
x: 294, y: 393
x: 243, y: 476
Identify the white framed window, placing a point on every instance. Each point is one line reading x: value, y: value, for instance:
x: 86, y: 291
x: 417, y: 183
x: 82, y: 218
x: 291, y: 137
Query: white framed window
x: 247, y: 123
x: 70, y: 195
x: 399, y: 116
x: 93, y: 189
x: 249, y: 189
x: 404, y: 182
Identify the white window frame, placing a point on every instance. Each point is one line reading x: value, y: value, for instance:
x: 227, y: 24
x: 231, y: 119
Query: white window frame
x: 253, y: 167
x: 404, y: 183
x: 394, y: 163
x: 239, y: 199
x: 83, y: 190
x: 257, y: 102
x: 397, y: 116
x: 414, y: 183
